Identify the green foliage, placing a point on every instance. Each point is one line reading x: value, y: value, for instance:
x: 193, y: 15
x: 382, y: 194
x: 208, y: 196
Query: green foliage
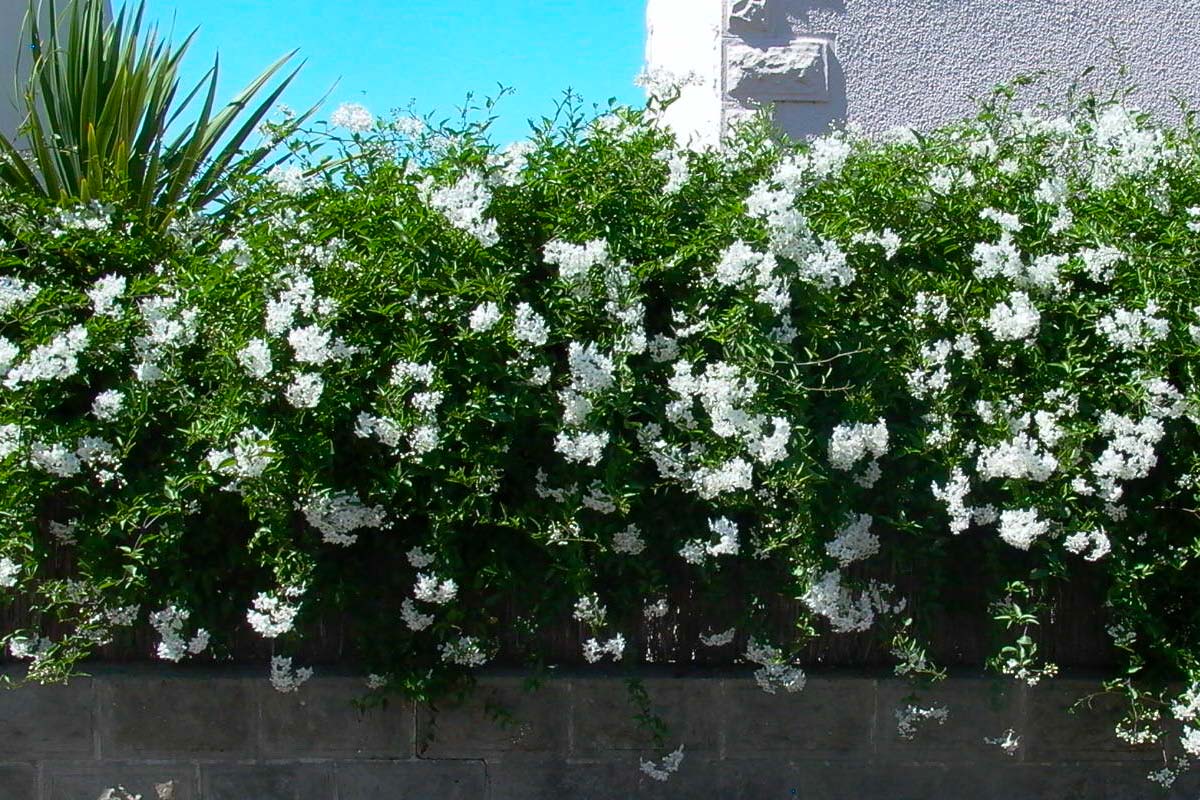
x: 105, y: 121
x: 458, y: 395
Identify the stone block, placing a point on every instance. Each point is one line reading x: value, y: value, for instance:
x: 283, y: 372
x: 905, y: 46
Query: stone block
x: 795, y: 71
x: 830, y: 718
x: 604, y: 718
x: 321, y: 720
x: 266, y: 782
x: 1053, y: 732
x: 977, y: 709
x: 18, y: 782
x: 47, y: 721
x: 411, y: 780
x: 177, y: 716
x: 89, y: 781
x: 501, y: 718
x: 562, y: 778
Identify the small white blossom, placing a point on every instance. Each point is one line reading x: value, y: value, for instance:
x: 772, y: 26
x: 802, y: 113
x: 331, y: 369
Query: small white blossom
x: 353, y: 117
x: 284, y: 678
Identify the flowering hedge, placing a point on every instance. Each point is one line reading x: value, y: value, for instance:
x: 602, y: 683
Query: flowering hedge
x: 431, y: 384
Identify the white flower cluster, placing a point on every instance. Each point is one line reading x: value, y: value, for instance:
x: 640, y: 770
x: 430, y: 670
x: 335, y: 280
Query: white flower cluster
x: 678, y: 171
x: 1022, y: 527
x: 466, y: 651
x: 169, y: 327
x: 592, y: 372
x: 1129, y: 454
x: 721, y: 639
x: 854, y: 541
x: 484, y: 317
x: 255, y: 358
x: 1124, y: 148
x: 774, y: 672
x: 846, y: 611
x: 107, y: 405
x: 953, y: 494
x: 594, y: 649
x: 463, y: 205
x: 1014, y: 319
x: 431, y: 589
x: 1133, y: 329
x: 1100, y: 263
x: 412, y: 618
x: 529, y: 328
x: 908, y: 717
x: 10, y: 572
x: 15, y: 293
x: 104, y: 294
x: 272, y: 615
x: 249, y: 457
x: 286, y: 679
x: 888, y: 239
x: 667, y: 767
x: 305, y: 390
x: 54, y: 361
x: 1096, y: 541
x: 173, y: 645
x: 336, y: 514
x: 726, y: 531
x: 1020, y: 457
x: 629, y: 541
x: 575, y: 261
x: 852, y: 442
x: 353, y: 117
x: 590, y: 611
x: 1010, y: 742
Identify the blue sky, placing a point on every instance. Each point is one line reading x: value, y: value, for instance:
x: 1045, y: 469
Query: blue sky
x: 387, y: 54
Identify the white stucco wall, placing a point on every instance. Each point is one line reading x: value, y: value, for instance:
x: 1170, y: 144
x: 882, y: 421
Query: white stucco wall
x: 882, y: 63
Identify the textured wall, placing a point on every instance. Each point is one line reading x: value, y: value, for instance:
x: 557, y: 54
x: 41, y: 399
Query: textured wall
x: 226, y: 735
x: 883, y: 63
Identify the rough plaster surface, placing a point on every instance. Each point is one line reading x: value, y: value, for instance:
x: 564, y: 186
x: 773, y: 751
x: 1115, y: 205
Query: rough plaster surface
x: 919, y: 62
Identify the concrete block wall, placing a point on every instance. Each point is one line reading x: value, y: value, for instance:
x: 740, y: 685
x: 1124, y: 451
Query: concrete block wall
x: 227, y: 735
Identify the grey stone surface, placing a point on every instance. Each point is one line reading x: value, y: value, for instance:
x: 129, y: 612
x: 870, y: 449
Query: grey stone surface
x: 18, y: 782
x: 266, y: 782
x: 502, y: 718
x: 604, y: 718
x: 87, y: 781
x: 321, y: 720
x: 562, y: 778
x: 829, y: 718
x: 978, y: 709
x: 411, y: 780
x: 41, y: 721
x: 189, y: 715
x: 1055, y: 733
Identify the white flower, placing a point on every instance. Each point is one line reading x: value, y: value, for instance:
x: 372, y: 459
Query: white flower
x: 1022, y: 527
x: 582, y: 447
x: 1100, y: 263
x: 353, y: 117
x: 1019, y: 457
x: 284, y: 678
x: 484, y: 317
x: 628, y: 541
x: 1014, y: 320
x: 718, y: 639
x: 336, y: 514
x: 677, y: 170
x: 252, y: 453
x: 575, y: 260
x: 271, y: 616
x: 419, y: 558
x: 57, y: 360
x: 1097, y: 541
x: 10, y: 571
x: 854, y: 541
x: 290, y: 179
x: 104, y: 294
x: 107, y: 405
x: 173, y: 645
x: 311, y: 344
x: 467, y: 651
x: 529, y: 327
x: 15, y: 293
x: 666, y: 768
x: 590, y: 611
x: 255, y: 358
x: 305, y: 390
x: 909, y: 716
x: 594, y: 650
x: 412, y: 618
x: 851, y: 442
x: 430, y: 589
x: 463, y: 205
x: 57, y: 459
x: 1132, y: 330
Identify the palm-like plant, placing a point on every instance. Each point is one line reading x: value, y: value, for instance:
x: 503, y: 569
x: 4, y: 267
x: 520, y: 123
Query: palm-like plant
x: 100, y: 102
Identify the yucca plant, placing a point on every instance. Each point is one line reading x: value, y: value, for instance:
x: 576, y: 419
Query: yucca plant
x: 101, y: 101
